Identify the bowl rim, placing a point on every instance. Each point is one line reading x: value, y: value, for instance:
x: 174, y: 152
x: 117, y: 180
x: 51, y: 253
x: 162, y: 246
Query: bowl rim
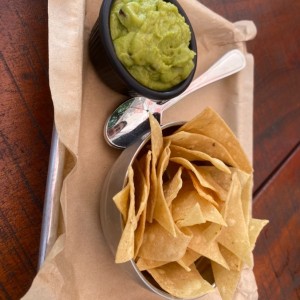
x: 104, y: 30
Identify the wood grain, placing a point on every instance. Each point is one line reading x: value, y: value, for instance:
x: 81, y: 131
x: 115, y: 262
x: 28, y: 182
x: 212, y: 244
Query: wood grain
x: 277, y: 263
x: 26, y: 117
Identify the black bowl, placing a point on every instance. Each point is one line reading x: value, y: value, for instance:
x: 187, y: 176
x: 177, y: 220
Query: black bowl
x: 111, y: 70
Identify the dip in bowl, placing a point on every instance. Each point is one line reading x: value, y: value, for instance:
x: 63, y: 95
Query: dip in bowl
x: 144, y: 46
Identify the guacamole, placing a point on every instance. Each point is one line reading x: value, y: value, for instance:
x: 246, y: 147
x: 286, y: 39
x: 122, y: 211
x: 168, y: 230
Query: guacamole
x: 151, y: 39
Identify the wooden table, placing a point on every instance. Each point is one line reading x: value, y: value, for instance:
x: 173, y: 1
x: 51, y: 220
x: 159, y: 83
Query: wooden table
x: 26, y: 118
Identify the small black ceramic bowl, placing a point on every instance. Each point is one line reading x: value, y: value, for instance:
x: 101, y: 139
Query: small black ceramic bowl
x: 111, y: 70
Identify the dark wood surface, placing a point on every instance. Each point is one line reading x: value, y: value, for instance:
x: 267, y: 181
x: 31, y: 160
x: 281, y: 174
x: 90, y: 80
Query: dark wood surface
x: 26, y: 117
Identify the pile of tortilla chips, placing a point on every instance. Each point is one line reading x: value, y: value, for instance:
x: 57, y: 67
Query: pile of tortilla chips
x: 187, y: 209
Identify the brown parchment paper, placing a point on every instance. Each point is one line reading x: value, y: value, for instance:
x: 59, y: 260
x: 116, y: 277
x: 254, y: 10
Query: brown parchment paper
x: 78, y: 264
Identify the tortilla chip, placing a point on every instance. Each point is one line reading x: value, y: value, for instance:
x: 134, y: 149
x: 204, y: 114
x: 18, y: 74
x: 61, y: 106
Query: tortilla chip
x: 121, y: 200
x: 156, y: 148
x: 179, y: 283
x: 185, y: 208
x: 202, y: 143
x: 235, y: 236
x: 189, y: 166
x: 222, y: 193
x: 162, y: 213
x: 189, y: 208
x: 172, y: 187
x: 189, y: 258
x: 213, y: 230
x: 193, y: 155
x: 139, y: 233
x: 141, y: 190
x: 160, y: 245
x: 210, y: 124
x: 145, y: 164
x: 202, y: 191
x: 210, y: 212
x: 221, y: 178
x: 147, y: 264
x: 144, y: 168
x: 209, y: 249
x: 125, y: 250
x: 226, y: 280
x: 192, y: 216
x: 255, y: 227
x: 232, y: 260
x: 246, y: 181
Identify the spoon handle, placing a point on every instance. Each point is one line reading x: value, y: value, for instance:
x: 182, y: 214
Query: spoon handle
x: 232, y: 62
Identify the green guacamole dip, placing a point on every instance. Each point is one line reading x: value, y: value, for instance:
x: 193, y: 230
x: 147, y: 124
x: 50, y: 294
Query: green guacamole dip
x: 151, y: 39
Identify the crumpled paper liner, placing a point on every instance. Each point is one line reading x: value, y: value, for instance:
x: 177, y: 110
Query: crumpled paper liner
x: 78, y: 264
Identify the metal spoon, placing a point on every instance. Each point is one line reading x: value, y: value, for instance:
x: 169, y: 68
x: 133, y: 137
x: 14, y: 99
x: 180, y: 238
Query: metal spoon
x: 130, y: 120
